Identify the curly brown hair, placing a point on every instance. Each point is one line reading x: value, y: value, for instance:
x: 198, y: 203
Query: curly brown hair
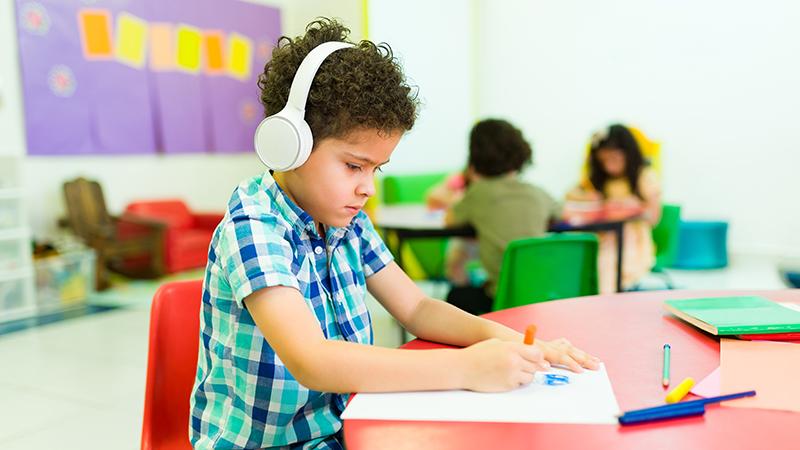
x: 496, y: 147
x: 355, y: 88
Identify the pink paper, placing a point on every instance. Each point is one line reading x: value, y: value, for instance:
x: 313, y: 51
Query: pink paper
x: 710, y: 386
x: 769, y: 368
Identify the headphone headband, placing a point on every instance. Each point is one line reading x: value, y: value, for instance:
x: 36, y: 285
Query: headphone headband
x: 283, y: 141
x: 301, y: 84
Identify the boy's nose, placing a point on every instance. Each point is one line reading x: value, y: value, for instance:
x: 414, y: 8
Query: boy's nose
x: 366, y: 187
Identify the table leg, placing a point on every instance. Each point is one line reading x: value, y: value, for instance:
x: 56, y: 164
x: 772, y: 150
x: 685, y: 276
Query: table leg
x: 620, y: 231
x: 399, y: 260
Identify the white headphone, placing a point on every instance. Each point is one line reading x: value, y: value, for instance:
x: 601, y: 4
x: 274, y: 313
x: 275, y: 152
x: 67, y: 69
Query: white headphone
x: 283, y: 141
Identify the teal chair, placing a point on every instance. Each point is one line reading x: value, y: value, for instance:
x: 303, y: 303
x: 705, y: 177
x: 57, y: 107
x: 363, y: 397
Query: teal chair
x: 411, y: 189
x: 547, y: 268
x: 703, y: 245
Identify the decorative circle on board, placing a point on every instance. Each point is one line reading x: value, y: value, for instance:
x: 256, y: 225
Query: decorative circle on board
x: 248, y: 111
x: 61, y: 81
x: 263, y: 51
x: 34, y: 18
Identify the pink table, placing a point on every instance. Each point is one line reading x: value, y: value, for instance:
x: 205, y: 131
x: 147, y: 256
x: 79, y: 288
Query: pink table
x: 627, y: 331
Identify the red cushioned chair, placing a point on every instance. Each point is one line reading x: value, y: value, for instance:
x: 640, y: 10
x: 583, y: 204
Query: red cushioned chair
x: 171, y: 365
x: 187, y: 234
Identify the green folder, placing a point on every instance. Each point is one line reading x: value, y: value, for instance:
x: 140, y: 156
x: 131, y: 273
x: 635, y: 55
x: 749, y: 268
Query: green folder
x: 736, y: 315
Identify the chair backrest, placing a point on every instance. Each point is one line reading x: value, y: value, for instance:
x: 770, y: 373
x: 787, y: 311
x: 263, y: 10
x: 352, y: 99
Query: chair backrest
x: 400, y: 189
x: 174, y: 212
x: 547, y: 268
x: 86, y: 208
x: 171, y: 365
x: 666, y: 236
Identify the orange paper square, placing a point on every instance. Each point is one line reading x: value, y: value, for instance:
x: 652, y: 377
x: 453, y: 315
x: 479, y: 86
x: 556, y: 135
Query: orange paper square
x: 95, y: 30
x: 215, y: 59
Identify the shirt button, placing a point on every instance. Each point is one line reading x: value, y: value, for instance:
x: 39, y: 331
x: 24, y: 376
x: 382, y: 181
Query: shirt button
x: 318, y: 250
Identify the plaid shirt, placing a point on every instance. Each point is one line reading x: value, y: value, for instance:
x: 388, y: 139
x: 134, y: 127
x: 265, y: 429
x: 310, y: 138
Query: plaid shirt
x: 243, y: 396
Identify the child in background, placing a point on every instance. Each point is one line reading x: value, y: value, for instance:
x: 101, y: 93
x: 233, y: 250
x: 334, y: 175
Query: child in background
x: 285, y: 333
x: 448, y: 192
x: 498, y: 204
x: 460, y: 252
x: 619, y: 177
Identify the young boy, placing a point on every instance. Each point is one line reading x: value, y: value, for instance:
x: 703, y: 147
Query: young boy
x: 285, y: 334
x: 498, y: 204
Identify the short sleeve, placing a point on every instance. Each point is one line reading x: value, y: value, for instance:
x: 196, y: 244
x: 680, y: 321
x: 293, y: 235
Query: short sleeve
x: 374, y: 253
x: 649, y: 185
x: 255, y: 254
x: 553, y: 207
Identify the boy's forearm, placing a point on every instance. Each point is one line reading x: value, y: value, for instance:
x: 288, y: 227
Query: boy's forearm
x: 378, y: 369
x: 344, y: 367
x: 438, y: 321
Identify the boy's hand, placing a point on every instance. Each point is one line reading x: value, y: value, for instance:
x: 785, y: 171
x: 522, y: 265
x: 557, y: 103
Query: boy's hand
x: 561, y: 352
x: 497, y: 366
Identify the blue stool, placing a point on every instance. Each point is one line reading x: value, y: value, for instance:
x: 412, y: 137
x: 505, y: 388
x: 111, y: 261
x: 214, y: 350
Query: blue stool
x: 702, y: 245
x: 792, y: 279
x: 790, y: 273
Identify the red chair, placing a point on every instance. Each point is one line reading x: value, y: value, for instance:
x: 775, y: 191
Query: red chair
x: 171, y: 365
x: 187, y: 235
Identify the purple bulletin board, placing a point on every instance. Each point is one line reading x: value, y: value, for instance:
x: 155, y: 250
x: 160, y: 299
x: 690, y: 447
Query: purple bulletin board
x: 142, y: 76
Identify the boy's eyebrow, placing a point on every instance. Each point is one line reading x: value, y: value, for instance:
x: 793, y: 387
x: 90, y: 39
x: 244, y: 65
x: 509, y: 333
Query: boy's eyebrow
x: 365, y: 159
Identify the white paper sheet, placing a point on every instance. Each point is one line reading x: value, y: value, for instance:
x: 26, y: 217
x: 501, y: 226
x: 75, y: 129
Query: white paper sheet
x: 588, y: 398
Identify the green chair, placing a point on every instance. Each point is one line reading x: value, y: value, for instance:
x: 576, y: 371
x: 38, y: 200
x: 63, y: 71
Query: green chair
x: 399, y: 189
x: 547, y: 268
x: 429, y: 254
x: 666, y: 238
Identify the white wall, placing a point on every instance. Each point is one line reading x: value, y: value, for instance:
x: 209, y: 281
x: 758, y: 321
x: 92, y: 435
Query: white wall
x: 204, y: 181
x: 432, y: 40
x: 715, y: 81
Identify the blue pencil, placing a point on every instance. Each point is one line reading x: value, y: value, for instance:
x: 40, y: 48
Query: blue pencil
x: 663, y: 414
x: 690, y: 404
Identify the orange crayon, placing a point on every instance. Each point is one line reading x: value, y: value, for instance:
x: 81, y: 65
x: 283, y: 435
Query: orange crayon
x: 530, y: 334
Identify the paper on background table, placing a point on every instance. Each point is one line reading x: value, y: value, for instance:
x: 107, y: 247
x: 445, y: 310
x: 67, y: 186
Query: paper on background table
x: 588, y: 398
x: 794, y: 306
x: 770, y: 368
x: 708, y: 386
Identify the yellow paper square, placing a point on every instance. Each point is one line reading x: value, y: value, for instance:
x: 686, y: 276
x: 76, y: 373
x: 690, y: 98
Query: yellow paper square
x: 131, y: 41
x: 240, y: 55
x: 162, y: 46
x: 189, y: 46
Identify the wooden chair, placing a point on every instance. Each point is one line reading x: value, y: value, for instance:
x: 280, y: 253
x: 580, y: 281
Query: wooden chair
x: 89, y: 219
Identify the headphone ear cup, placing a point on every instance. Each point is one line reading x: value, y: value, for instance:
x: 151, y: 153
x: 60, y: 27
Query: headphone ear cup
x: 306, y: 143
x: 279, y: 140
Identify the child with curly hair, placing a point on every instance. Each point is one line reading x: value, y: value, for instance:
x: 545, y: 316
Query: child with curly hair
x: 498, y: 204
x: 285, y: 332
